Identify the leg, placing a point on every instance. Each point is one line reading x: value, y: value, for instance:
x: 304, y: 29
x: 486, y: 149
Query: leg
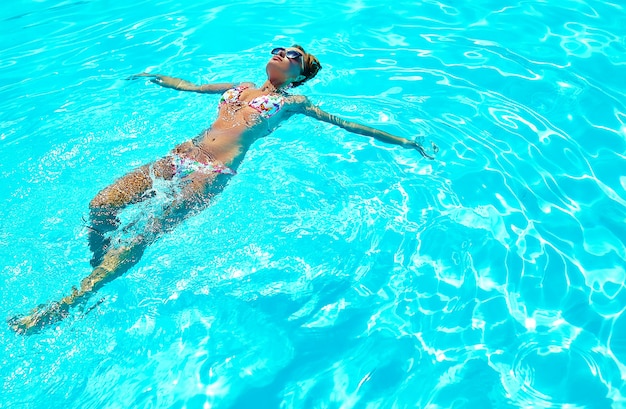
x: 105, y: 206
x: 116, y: 261
x: 193, y: 197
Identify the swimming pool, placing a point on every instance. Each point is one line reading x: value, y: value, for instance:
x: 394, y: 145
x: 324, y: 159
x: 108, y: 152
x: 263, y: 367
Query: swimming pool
x: 334, y: 270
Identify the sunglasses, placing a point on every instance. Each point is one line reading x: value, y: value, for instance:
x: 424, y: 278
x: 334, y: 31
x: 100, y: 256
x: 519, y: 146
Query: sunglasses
x: 291, y: 54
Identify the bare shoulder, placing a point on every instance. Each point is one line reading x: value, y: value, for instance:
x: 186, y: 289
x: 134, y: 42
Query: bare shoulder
x: 296, y: 103
x: 297, y: 99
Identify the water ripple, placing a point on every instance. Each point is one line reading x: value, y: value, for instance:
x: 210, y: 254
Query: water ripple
x: 536, y: 374
x: 335, y: 269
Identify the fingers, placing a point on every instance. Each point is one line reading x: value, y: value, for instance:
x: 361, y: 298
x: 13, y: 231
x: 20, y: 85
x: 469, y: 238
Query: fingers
x: 434, y: 147
x: 155, y: 78
x: 421, y: 150
x: 141, y: 75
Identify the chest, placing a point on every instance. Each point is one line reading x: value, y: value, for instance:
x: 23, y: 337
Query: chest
x: 266, y: 104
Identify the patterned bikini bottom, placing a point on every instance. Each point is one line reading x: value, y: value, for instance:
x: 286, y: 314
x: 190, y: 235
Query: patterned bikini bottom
x: 183, y: 167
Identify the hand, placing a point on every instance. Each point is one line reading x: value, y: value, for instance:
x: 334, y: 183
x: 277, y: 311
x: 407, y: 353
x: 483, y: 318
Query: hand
x: 421, y: 150
x: 143, y: 75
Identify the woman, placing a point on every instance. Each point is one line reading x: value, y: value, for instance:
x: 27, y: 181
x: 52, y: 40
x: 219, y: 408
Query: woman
x: 201, y: 167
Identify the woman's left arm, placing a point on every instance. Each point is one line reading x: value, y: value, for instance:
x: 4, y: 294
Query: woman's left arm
x: 304, y: 106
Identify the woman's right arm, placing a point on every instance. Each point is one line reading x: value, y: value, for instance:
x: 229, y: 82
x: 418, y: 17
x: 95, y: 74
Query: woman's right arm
x: 183, y: 85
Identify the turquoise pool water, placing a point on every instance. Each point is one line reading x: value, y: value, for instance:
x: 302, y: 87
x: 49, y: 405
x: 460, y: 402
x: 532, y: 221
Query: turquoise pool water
x: 334, y: 271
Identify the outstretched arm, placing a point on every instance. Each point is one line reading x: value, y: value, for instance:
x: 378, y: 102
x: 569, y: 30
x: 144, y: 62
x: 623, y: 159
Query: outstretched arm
x: 183, y: 85
x: 304, y: 106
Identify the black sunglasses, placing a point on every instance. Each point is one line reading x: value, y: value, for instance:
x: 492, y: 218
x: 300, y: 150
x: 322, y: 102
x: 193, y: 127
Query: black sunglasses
x: 291, y: 54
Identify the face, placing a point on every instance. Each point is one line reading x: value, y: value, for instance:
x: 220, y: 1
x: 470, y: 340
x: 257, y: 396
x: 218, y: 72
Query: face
x: 286, y: 65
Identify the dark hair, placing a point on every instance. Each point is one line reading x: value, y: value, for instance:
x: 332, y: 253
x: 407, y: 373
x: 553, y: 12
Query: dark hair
x: 311, y: 66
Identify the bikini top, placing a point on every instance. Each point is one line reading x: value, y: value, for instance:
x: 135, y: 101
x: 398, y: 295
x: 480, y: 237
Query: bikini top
x: 266, y: 105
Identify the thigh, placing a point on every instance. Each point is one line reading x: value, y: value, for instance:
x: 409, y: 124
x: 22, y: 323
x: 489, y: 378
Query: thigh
x: 193, y: 196
x: 131, y: 187
x: 192, y: 199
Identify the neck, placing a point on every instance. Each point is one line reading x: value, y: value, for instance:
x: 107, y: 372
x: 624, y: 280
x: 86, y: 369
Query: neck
x: 273, y: 86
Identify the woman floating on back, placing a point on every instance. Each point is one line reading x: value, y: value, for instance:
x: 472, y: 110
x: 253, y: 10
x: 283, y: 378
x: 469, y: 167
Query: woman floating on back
x: 201, y: 167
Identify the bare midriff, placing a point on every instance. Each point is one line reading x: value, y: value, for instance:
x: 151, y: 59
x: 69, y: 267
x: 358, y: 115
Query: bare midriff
x: 228, y: 138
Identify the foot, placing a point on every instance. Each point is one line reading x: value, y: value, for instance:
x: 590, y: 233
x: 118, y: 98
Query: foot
x: 38, y: 318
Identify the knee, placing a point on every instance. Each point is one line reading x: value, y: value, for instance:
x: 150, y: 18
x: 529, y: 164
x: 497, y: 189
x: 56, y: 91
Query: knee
x: 103, y: 219
x: 100, y: 201
x: 96, y: 203
x: 107, y: 199
x: 103, y: 212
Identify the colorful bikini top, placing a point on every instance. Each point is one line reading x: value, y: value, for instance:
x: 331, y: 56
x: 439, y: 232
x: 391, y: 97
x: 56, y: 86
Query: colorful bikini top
x: 266, y: 105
